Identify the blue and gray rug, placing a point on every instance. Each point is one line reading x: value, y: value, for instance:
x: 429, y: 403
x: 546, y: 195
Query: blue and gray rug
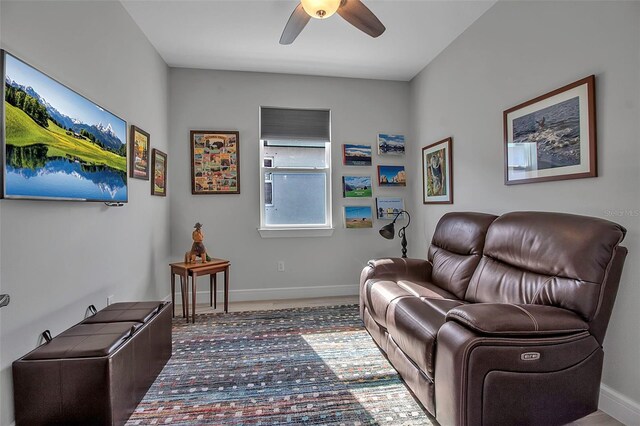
x: 294, y: 366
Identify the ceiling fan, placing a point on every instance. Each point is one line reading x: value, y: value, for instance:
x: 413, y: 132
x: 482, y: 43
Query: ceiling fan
x: 353, y: 11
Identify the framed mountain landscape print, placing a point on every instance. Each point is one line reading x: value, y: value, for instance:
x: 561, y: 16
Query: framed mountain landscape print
x: 215, y: 162
x: 356, y: 155
x: 552, y: 137
x: 390, y: 144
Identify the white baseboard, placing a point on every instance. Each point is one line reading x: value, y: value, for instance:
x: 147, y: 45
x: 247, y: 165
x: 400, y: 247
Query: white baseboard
x: 619, y: 406
x: 250, y: 295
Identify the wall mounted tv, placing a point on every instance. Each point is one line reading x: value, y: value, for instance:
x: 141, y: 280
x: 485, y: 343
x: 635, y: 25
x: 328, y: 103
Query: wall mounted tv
x: 57, y: 144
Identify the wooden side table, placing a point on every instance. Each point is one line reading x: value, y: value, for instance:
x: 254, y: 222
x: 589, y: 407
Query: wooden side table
x: 193, y: 270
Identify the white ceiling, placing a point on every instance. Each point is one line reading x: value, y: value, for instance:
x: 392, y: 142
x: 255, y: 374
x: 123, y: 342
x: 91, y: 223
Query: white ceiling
x: 243, y: 35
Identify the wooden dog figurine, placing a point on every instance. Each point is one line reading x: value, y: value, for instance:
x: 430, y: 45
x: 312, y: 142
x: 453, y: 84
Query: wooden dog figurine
x: 197, y: 249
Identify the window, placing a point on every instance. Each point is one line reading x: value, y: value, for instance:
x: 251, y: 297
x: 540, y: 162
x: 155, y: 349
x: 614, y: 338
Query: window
x: 295, y: 160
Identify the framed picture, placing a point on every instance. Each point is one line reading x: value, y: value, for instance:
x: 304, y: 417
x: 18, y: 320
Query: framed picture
x: 356, y: 155
x: 358, y: 217
x: 215, y: 162
x: 159, y: 167
x: 552, y: 137
x: 392, y: 176
x: 387, y: 208
x: 356, y: 186
x: 437, y: 173
x: 139, y: 167
x: 390, y: 144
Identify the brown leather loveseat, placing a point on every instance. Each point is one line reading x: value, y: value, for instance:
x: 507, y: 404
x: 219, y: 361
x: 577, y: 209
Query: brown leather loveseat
x: 504, y: 323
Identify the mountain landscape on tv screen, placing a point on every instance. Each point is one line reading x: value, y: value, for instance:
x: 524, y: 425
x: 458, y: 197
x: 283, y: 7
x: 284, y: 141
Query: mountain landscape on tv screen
x: 51, y: 154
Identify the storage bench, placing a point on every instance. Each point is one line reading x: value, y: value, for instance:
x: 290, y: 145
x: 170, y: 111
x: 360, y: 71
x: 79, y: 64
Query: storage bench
x: 96, y: 372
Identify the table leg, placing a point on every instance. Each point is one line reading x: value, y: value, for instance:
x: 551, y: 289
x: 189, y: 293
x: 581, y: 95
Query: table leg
x: 215, y: 290
x: 211, y: 289
x: 185, y: 295
x: 182, y: 294
x: 173, y: 294
x: 193, y: 295
x: 226, y: 290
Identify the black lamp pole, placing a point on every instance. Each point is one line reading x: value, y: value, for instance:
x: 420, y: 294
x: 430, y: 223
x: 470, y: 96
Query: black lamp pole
x: 389, y: 232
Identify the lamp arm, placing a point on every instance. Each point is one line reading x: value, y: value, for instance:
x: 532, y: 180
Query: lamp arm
x: 408, y: 222
x: 402, y: 231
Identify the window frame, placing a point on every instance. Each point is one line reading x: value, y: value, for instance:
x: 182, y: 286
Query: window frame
x: 297, y: 230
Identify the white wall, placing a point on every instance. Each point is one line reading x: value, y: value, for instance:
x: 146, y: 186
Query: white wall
x: 219, y: 100
x: 513, y: 53
x: 59, y: 257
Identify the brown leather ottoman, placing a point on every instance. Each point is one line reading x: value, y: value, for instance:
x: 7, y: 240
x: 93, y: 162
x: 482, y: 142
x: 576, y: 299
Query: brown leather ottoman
x: 96, y: 372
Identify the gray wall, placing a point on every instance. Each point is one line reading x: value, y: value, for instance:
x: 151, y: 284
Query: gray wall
x: 59, y: 257
x: 220, y: 100
x: 513, y: 53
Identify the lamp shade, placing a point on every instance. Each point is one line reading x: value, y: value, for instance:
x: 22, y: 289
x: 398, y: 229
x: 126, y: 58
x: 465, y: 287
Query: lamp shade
x: 388, y: 231
x: 320, y: 9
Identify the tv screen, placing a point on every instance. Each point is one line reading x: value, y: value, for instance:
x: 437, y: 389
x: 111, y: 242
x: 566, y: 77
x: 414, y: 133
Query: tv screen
x: 58, y: 144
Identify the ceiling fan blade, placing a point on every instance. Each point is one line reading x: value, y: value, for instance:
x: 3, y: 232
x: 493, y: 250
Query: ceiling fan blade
x: 295, y: 25
x: 359, y: 15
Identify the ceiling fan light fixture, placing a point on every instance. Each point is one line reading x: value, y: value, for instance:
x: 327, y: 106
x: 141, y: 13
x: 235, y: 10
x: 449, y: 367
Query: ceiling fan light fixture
x: 320, y: 9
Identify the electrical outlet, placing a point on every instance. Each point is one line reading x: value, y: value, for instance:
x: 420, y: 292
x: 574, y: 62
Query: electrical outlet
x: 109, y: 300
x: 281, y: 266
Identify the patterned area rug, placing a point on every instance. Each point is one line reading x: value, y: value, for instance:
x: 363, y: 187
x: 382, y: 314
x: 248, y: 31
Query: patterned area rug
x: 292, y: 366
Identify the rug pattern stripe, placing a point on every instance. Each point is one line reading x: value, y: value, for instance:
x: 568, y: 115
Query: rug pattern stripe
x: 289, y: 366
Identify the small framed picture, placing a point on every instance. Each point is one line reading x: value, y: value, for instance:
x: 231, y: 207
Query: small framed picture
x: 552, y: 137
x: 139, y: 166
x: 388, y: 208
x: 390, y: 144
x: 215, y: 162
x: 159, y: 167
x: 356, y: 186
x: 356, y: 155
x: 392, y: 176
x: 358, y: 217
x: 437, y: 173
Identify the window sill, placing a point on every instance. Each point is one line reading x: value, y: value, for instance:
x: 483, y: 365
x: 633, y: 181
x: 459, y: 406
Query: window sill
x: 295, y: 232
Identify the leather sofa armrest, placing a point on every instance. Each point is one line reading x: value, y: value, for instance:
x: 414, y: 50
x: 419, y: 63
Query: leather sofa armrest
x: 399, y: 269
x: 393, y: 268
x: 504, y: 319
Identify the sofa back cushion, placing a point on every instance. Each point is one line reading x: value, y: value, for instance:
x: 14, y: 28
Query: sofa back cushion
x: 554, y: 259
x: 456, y: 249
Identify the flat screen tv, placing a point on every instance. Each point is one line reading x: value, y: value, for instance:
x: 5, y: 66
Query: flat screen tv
x: 57, y: 144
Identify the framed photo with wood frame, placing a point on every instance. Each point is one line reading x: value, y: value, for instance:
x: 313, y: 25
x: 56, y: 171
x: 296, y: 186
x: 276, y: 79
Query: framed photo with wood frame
x: 552, y: 137
x: 437, y: 172
x: 215, y: 162
x: 159, y: 167
x: 139, y: 162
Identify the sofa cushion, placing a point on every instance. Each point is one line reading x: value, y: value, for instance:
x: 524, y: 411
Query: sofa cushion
x: 543, y: 258
x: 413, y: 325
x: 379, y: 295
x: 456, y: 249
x: 443, y: 306
x: 425, y: 289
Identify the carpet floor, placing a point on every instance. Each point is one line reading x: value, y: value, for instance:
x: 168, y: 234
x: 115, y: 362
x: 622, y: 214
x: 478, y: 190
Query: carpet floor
x: 291, y: 366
